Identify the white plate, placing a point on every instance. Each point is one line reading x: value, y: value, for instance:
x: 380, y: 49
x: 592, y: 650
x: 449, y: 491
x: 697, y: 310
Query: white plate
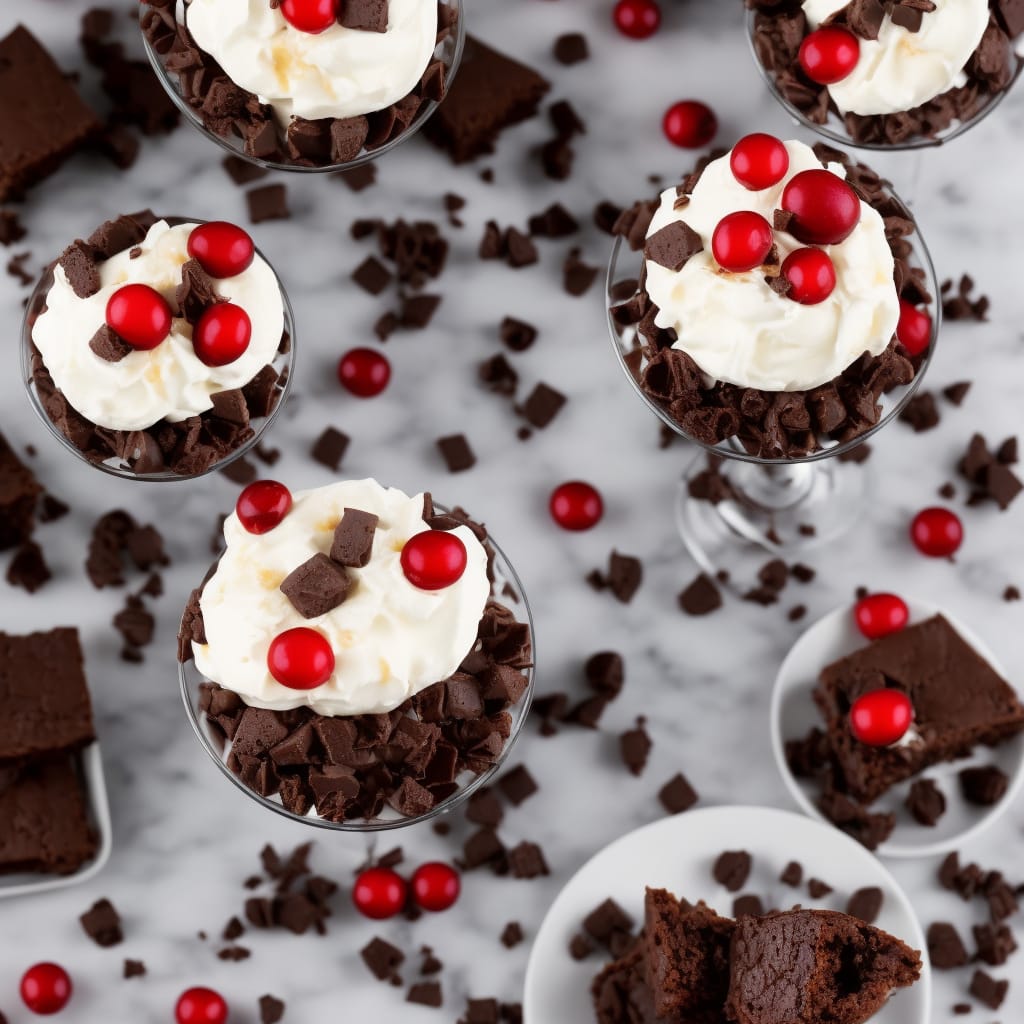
x: 794, y: 712
x: 91, y: 763
x: 677, y: 853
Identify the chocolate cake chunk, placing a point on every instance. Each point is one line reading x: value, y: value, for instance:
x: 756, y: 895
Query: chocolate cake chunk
x: 491, y: 93
x: 621, y: 994
x: 102, y: 924
x: 42, y: 118
x: 43, y: 821
x: 984, y: 786
x: 807, y: 966
x: 317, y: 586
x: 44, y: 700
x: 353, y: 538
x: 19, y: 492
x: 959, y: 701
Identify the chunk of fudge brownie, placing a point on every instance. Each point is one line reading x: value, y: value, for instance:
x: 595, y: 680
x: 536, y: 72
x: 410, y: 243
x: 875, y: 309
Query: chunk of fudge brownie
x: 19, y: 491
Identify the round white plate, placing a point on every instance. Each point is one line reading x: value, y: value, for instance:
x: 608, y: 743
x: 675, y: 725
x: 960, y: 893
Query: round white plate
x: 794, y: 712
x: 677, y: 854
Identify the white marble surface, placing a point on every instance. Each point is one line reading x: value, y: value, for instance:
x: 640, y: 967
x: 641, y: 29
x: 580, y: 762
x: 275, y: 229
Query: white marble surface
x: 185, y: 838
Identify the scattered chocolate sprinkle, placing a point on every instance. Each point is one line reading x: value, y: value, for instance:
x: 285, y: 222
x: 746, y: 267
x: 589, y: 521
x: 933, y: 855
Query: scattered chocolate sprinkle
x: 635, y: 747
x: 269, y: 202
x: 623, y: 579
x: 234, y: 954
x: 926, y: 802
x: 921, y: 413
x: 555, y: 222
x: 987, y: 990
x: 989, y: 472
x: 571, y: 48
x: 527, y: 861
x: 994, y: 943
x: 961, y: 1008
x: 945, y: 947
x: 382, y: 958
x: 134, y: 969
x: 960, y: 305
x: 28, y: 568
x: 517, y: 334
x: 329, y: 448
x: 457, y: 454
x: 732, y: 869
x: 11, y: 229
x: 580, y: 947
x: 677, y: 795
x: 517, y: 785
x: 102, y: 924
x: 372, y: 276
x: 956, y: 393
x: 426, y: 993
x: 542, y: 406
x: 983, y: 786
x: 577, y: 276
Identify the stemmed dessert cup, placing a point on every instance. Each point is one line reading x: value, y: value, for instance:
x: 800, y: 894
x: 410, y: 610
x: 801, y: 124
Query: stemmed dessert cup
x: 449, y: 51
x: 768, y: 506
x: 283, y: 363
x: 507, y: 587
x: 834, y: 130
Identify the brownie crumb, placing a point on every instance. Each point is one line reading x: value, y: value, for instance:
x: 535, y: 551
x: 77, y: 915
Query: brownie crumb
x: 921, y: 412
x: 517, y: 785
x: 134, y: 969
x: 983, y: 786
x: 926, y: 802
x: 793, y: 874
x: 28, y: 568
x: 571, y: 48
x: 269, y: 202
x: 271, y: 1010
x: 945, y: 947
x: 956, y: 393
x: 747, y: 906
x: 517, y: 334
x: 817, y: 889
x: 580, y: 947
x: 426, y: 993
x: 512, y: 935
x: 866, y: 904
x: 732, y: 869
x: 987, y: 990
x: 635, y: 747
x: 960, y: 304
x: 102, y: 924
x: 677, y: 795
x: 456, y: 452
x: 701, y: 596
x: 329, y: 448
x: 527, y: 861
x: 1011, y: 593
x: 623, y: 579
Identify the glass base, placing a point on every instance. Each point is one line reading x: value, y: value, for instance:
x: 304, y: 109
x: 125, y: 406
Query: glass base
x: 733, y: 516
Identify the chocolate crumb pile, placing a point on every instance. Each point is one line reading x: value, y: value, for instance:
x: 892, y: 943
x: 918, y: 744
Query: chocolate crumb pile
x: 776, y: 425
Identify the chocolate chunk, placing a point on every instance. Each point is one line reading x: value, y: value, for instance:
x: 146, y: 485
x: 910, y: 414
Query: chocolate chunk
x: 348, y: 137
x: 793, y: 874
x: 11, y: 229
x: 481, y: 1011
x: 484, y: 808
x: 271, y: 1010
x: 1011, y: 16
x: 330, y: 447
x: 353, y: 538
x: 701, y: 597
x: 28, y: 568
x: 457, y: 454
x: 635, y: 746
x: 677, y: 795
x: 995, y: 943
x: 527, y: 861
x: 135, y: 624
x: 234, y: 954
x: 418, y: 310
x: 625, y: 574
x: 482, y: 847
x: 102, y: 924
x: 580, y: 947
x: 196, y: 293
x: 317, y: 586
x: 372, y: 276
x: 517, y: 785
x: 817, y: 889
x: 577, y: 276
x: 606, y: 921
x: 425, y: 993
x: 945, y: 947
x: 987, y: 990
x: 516, y: 334
x: 243, y: 172
x: 605, y: 673
x: 134, y: 969
x: 365, y: 15
x: 269, y: 202
x: 956, y: 393
x: 983, y: 786
x: 747, y: 906
x: 512, y: 935
x: 732, y: 869
x: 555, y: 222
x: 673, y: 245
x: 921, y: 412
x: 519, y: 249
x: 382, y: 958
x: 542, y: 406
x: 359, y: 178
x: 78, y: 261
x: 109, y: 346
x: 926, y: 802
x: 866, y: 904
x: 571, y: 48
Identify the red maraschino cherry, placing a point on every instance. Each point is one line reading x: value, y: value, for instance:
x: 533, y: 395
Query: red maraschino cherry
x: 223, y: 249
x: 829, y: 54
x: 379, y: 893
x: 434, y: 559
x: 222, y: 334
x: 689, y: 124
x: 914, y: 330
x: 436, y: 886
x: 140, y: 315
x: 742, y: 241
x: 811, y: 275
x: 201, y: 1006
x: 46, y: 988
x: 937, y: 532
x: 364, y: 372
x: 313, y: 16
x: 759, y: 161
x: 825, y: 209
x: 878, y: 615
x: 300, y: 658
x: 262, y: 506
x: 637, y: 19
x: 576, y: 505
x: 881, y: 718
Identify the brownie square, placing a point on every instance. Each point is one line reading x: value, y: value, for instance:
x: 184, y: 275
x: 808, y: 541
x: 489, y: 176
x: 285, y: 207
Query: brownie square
x: 44, y: 826
x: 44, y: 699
x: 42, y: 118
x: 959, y: 701
x: 19, y: 491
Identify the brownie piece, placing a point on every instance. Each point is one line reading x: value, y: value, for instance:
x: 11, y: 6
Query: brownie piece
x: 620, y: 992
x: 808, y: 966
x: 42, y: 118
x: 959, y: 701
x: 44, y: 700
x: 19, y: 491
x: 491, y: 92
x: 43, y: 821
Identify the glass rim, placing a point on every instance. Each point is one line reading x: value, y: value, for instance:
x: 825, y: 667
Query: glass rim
x: 232, y: 145
x: 843, y: 138
x: 730, y: 447
x: 521, y: 713
x: 42, y: 288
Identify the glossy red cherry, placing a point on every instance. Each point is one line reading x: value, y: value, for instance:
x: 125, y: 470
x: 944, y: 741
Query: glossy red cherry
x: 364, y: 371
x: 300, y: 658
x: 829, y: 54
x: 576, y: 505
x: 937, y: 532
x: 436, y: 886
x: 914, y: 330
x: 742, y: 241
x: 201, y: 1006
x: 878, y: 615
x: 222, y: 334
x: 881, y: 717
x: 825, y: 209
x: 379, y: 893
x: 312, y: 16
x: 434, y: 559
x: 689, y: 124
x: 262, y: 506
x: 637, y: 19
x: 811, y: 275
x: 759, y: 161
x: 140, y: 315
x: 223, y: 249
x: 46, y: 988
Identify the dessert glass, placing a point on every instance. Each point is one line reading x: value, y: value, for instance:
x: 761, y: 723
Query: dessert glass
x: 449, y: 51
x: 505, y: 585
x: 782, y: 506
x: 283, y: 363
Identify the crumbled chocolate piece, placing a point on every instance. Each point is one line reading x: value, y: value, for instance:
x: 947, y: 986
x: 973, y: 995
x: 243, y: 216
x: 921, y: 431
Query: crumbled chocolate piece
x: 418, y: 310
x: 673, y: 245
x: 317, y: 586
x: 956, y: 393
x: 425, y: 993
x: 792, y: 874
x: 635, y: 747
x: 519, y: 249
x: 457, y: 454
x: 11, y: 229
x: 866, y: 904
x: 926, y: 802
x: 960, y: 305
x: 382, y: 958
x: 701, y: 596
x: 109, y: 346
x: 987, y: 990
x: 869, y: 829
x: 1011, y: 593
x: 555, y: 222
x: 268, y: 202
x: 542, y: 406
x: 102, y: 924
x: 517, y: 334
x: 372, y: 276
x: 817, y: 889
x: 990, y: 473
x: 577, y: 276
x: 481, y: 1011
x: 623, y: 579
x: 517, y: 785
x: 512, y: 935
x: 571, y: 48
x: 28, y: 568
x: 732, y: 869
x: 677, y: 795
x: 921, y: 413
x: 945, y: 947
x: 234, y: 954
x: 994, y: 942
x: 78, y: 261
x: 242, y: 172
x: 330, y: 447
x: 580, y: 947
x: 608, y: 922
x: 364, y: 15
x: 527, y: 861
x: 484, y: 808
x: 353, y: 538
x: 360, y: 177
x: 984, y: 786
x: 271, y: 1010
x: 747, y: 906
